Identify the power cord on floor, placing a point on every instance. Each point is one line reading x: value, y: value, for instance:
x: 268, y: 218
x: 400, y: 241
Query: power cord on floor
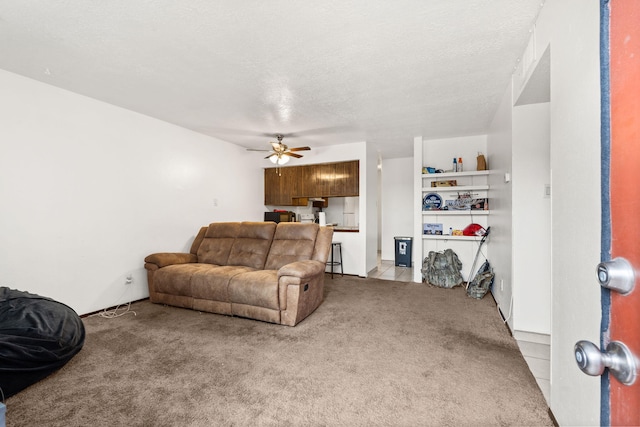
x: 113, y: 313
x: 510, y: 307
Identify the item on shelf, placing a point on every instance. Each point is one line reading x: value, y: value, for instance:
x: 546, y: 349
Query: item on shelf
x: 466, y: 202
x: 431, y: 201
x: 457, y: 233
x: 428, y: 169
x: 459, y: 204
x: 474, y: 230
x: 481, y: 162
x: 480, y: 204
x: 455, y: 165
x: 432, y: 229
x: 445, y: 183
x: 460, y: 168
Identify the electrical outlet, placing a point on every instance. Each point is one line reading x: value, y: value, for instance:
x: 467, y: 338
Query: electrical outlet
x: 128, y: 280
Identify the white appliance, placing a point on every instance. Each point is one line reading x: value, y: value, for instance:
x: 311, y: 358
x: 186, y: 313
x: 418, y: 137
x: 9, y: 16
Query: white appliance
x: 307, y: 218
x: 322, y: 218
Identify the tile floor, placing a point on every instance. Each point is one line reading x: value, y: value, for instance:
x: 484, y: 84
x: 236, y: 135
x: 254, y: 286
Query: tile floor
x: 386, y: 270
x: 536, y: 354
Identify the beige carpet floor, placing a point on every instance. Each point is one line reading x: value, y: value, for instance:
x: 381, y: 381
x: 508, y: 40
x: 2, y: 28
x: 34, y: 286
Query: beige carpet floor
x: 375, y: 353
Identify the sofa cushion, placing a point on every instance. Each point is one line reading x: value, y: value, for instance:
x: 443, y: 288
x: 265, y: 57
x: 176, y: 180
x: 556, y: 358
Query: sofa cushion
x: 291, y: 242
x: 212, y: 284
x: 197, y: 241
x: 252, y: 244
x: 217, y: 242
x: 256, y: 288
x: 176, y: 279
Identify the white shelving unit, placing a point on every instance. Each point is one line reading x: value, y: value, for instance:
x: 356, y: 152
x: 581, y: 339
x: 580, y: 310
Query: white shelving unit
x: 474, y: 182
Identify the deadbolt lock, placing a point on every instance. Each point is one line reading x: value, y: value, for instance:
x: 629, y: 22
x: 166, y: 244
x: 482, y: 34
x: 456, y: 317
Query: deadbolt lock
x: 617, y: 275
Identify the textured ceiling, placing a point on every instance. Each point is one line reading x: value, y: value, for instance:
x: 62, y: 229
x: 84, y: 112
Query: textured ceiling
x: 328, y: 72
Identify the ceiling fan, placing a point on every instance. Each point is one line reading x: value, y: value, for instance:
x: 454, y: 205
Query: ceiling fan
x: 281, y: 153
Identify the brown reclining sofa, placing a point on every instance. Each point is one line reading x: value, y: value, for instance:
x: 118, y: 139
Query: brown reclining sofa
x: 260, y: 270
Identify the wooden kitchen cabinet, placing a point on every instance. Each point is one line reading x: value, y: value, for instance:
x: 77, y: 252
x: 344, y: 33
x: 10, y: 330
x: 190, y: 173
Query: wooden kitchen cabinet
x: 307, y: 177
x: 271, y: 187
x: 325, y: 174
x: 282, y: 187
x: 292, y: 186
x: 346, y: 180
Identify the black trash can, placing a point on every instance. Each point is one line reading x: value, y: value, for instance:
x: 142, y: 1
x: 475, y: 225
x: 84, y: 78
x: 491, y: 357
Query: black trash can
x: 403, y: 251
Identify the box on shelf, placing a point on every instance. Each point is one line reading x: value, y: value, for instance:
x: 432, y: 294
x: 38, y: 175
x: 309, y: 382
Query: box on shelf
x: 480, y: 204
x: 465, y: 204
x: 481, y: 162
x: 432, y: 229
x: 461, y: 204
x: 445, y: 183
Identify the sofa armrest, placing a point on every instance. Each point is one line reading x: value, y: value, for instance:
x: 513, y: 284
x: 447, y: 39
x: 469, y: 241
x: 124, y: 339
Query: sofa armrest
x: 300, y: 290
x: 302, y: 269
x: 162, y: 259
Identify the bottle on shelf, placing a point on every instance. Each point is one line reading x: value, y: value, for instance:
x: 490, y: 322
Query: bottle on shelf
x: 459, y: 164
x: 455, y: 165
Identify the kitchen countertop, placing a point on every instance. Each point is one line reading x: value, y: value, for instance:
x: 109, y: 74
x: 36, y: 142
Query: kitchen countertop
x: 342, y: 229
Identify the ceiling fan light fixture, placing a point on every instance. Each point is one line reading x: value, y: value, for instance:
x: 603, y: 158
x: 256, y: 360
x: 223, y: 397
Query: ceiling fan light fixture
x: 279, y: 159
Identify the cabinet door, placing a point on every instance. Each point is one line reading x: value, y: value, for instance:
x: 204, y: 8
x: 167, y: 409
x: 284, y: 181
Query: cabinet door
x: 346, y: 180
x: 271, y: 187
x: 278, y: 184
x: 307, y: 181
x: 352, y: 185
x: 325, y: 176
x: 289, y: 183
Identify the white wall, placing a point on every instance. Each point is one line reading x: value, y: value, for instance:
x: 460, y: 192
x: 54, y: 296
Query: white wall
x: 575, y: 166
x: 439, y: 153
x: 89, y: 189
x: 499, y: 142
x: 370, y: 207
x: 571, y: 27
x: 531, y: 220
x: 397, y: 203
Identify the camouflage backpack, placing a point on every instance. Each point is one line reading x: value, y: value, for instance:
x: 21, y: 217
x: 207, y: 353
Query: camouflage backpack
x: 481, y: 284
x: 442, y: 269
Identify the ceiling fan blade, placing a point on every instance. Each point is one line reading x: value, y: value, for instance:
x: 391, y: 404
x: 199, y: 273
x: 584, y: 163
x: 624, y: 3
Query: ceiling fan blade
x: 297, y: 156
x: 255, y: 149
x: 299, y: 148
x: 271, y: 155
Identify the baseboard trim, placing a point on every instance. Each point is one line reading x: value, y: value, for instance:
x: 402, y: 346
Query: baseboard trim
x: 553, y: 418
x: 532, y: 337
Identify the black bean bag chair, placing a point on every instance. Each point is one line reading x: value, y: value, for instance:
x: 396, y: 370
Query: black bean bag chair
x: 37, y: 337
